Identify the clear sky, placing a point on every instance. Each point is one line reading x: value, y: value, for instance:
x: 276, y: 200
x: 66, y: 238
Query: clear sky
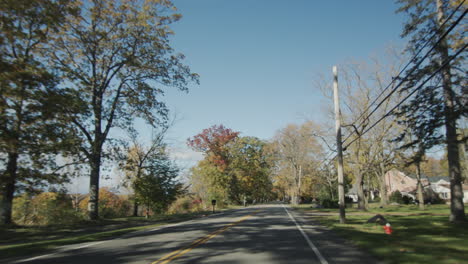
x: 258, y: 60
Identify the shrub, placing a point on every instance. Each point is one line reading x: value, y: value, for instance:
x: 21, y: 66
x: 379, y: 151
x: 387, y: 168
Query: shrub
x: 396, y: 197
x: 110, y: 204
x: 328, y: 203
x: 185, y: 204
x: 348, y: 200
x: 435, y: 200
x: 47, y: 208
x: 407, y: 200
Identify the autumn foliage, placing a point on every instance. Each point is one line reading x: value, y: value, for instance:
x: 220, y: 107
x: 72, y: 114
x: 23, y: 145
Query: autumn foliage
x: 213, y: 142
x: 111, y: 205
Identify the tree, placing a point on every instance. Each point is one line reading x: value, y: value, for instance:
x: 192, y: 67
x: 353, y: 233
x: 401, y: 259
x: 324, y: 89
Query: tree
x: 214, y: 170
x: 157, y: 186
x: 234, y: 169
x: 441, y: 102
x: 137, y: 161
x: 208, y: 182
x: 214, y: 142
x: 249, y: 170
x: 116, y: 55
x: 296, y: 149
x: 368, y: 149
x: 32, y: 130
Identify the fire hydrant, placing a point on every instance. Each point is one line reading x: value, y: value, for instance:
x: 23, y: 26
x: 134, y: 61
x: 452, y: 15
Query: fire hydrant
x: 388, y: 229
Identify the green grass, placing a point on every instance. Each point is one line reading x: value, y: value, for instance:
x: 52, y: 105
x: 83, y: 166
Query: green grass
x: 23, y: 241
x: 420, y: 236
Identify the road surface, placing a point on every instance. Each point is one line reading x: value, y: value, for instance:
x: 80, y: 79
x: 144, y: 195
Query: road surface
x: 257, y: 234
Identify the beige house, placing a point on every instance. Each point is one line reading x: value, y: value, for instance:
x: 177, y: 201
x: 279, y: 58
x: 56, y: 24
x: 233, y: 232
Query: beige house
x: 398, y: 181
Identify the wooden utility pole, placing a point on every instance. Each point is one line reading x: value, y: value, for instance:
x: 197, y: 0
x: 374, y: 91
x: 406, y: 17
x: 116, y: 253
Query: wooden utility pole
x: 339, y: 147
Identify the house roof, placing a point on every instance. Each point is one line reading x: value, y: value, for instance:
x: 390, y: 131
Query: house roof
x: 438, y: 178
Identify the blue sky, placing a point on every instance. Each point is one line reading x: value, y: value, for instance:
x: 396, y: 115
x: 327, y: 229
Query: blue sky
x: 258, y: 59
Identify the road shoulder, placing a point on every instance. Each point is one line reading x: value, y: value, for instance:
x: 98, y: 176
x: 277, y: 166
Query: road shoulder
x: 334, y: 248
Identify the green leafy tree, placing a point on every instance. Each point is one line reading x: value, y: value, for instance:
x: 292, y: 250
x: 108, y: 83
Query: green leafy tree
x: 137, y: 158
x: 157, y: 187
x: 32, y: 127
x: 116, y: 55
x: 208, y: 182
x: 250, y: 170
x: 442, y: 101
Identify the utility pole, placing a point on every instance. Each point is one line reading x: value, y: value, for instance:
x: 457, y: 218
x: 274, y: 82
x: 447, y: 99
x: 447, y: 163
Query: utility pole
x: 339, y: 147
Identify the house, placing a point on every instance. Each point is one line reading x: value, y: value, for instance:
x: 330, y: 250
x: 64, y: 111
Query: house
x: 352, y: 193
x: 398, y: 181
x: 442, y: 188
x: 407, y: 186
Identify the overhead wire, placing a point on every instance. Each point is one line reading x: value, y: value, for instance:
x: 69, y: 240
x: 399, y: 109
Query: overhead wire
x: 402, y: 80
x: 410, y: 94
x: 414, y: 58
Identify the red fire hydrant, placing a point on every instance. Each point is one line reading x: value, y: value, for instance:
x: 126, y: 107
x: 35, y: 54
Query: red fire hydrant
x: 388, y: 229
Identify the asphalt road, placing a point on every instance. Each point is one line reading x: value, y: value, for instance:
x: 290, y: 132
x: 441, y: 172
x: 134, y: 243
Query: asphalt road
x: 258, y: 234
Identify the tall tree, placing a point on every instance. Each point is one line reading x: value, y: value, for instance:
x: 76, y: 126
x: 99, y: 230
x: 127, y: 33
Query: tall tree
x: 31, y: 133
x: 215, y: 169
x: 296, y: 148
x: 117, y: 56
x: 214, y: 142
x: 249, y: 170
x: 442, y: 102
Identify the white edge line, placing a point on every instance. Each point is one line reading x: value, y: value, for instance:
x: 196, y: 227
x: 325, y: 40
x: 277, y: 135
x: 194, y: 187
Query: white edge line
x: 95, y: 243
x: 311, y: 245
x: 60, y: 251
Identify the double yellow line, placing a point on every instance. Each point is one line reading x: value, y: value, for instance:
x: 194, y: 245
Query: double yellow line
x: 177, y: 253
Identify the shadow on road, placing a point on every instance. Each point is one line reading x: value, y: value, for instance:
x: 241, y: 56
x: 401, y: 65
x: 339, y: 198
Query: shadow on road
x: 268, y: 236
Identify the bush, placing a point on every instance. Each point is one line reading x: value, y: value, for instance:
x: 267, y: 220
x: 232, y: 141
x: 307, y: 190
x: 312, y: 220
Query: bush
x: 407, y: 200
x: 110, y: 204
x: 396, y: 197
x: 186, y: 204
x: 348, y: 200
x: 328, y: 203
x: 46, y: 208
x: 435, y: 200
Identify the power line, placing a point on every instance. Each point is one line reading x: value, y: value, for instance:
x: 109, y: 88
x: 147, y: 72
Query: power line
x: 402, y: 80
x: 405, y: 79
x: 410, y: 94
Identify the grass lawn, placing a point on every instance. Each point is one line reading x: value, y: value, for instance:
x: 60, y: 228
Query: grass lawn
x: 419, y: 236
x: 24, y: 241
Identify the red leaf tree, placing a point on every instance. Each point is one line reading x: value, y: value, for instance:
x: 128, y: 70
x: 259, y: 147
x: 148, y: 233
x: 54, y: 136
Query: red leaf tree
x: 213, y: 142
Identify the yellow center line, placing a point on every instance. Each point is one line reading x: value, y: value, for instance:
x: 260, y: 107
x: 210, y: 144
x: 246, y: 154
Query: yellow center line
x: 177, y: 253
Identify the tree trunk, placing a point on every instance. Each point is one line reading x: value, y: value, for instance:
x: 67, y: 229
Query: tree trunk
x: 457, y: 209
x: 383, y: 186
x: 420, y: 188
x: 95, y: 164
x: 360, y: 190
x: 6, y: 202
x: 298, y: 198
x: 135, y: 208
